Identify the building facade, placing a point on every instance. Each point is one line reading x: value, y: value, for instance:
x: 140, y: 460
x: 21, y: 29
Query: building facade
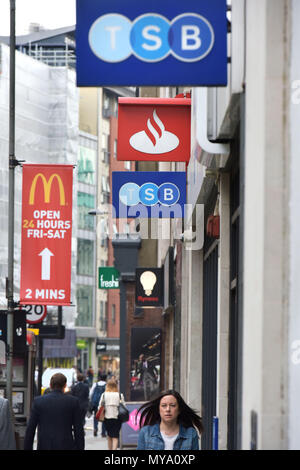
x: 239, y: 345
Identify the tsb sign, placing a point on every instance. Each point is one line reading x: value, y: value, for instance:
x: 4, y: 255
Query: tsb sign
x: 161, y: 42
x: 151, y: 38
x: 149, y: 194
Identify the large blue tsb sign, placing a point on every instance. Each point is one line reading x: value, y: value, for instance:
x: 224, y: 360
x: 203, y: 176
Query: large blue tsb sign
x: 151, y: 43
x: 148, y: 194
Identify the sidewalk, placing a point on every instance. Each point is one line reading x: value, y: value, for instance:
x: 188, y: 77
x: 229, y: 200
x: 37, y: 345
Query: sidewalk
x: 91, y: 442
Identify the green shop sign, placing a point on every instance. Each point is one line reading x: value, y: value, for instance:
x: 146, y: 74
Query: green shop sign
x: 81, y: 344
x: 108, y: 278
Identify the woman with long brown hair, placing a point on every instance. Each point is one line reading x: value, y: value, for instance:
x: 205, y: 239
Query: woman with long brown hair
x: 168, y: 423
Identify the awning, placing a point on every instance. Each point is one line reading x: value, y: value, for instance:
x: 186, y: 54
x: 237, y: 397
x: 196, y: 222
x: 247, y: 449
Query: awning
x: 61, y: 347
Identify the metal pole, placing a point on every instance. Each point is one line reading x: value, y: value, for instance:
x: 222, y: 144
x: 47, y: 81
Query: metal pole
x: 40, y: 365
x: 11, y: 201
x: 123, y: 339
x: 215, y: 433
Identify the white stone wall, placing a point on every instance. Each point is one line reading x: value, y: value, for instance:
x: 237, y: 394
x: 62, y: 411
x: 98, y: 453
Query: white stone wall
x: 265, y: 258
x: 294, y: 225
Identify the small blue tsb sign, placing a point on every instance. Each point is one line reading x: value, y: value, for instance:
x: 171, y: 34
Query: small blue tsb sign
x: 149, y: 194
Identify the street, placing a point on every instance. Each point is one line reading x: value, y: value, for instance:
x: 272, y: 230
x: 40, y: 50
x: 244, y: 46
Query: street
x: 91, y: 442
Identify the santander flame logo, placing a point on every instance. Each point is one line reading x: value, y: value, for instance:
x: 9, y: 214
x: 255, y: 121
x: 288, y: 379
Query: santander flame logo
x: 155, y: 139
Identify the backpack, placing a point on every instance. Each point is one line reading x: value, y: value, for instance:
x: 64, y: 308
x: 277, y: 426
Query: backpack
x: 95, y: 399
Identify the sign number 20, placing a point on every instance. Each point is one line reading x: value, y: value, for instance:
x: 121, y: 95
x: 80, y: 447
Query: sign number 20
x: 35, y: 313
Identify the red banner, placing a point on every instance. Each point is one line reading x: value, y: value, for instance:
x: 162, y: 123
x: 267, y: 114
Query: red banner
x: 154, y: 129
x: 46, y: 234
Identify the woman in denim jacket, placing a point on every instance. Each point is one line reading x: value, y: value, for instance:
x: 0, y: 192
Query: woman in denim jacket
x: 168, y: 423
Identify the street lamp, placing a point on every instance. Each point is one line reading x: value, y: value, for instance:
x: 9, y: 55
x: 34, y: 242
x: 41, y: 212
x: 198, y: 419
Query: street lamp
x: 11, y: 202
x: 98, y: 212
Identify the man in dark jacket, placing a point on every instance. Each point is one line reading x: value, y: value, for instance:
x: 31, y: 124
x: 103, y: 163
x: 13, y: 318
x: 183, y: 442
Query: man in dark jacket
x: 58, y: 418
x: 81, y: 390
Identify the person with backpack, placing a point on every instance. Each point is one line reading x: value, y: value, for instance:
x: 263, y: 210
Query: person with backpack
x: 95, y: 395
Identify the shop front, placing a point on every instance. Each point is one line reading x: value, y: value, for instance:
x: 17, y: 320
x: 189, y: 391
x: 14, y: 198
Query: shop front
x: 108, y: 355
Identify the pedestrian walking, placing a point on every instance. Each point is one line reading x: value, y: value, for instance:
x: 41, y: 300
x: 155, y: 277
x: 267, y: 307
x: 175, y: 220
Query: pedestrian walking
x: 7, y: 434
x: 111, y: 400
x: 81, y: 390
x: 100, y: 373
x: 58, y: 419
x: 168, y: 423
x: 90, y: 376
x: 95, y: 395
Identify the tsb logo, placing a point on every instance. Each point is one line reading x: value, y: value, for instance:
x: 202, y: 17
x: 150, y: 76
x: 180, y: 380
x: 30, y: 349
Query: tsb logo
x: 151, y: 37
x: 149, y: 194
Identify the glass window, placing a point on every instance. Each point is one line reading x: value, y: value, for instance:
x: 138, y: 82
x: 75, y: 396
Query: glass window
x: 103, y: 315
x: 84, y: 305
x: 115, y: 107
x: 87, y: 165
x: 85, y: 202
x: 85, y: 257
x: 105, y: 141
x: 105, y: 184
x: 113, y: 314
x: 106, y: 102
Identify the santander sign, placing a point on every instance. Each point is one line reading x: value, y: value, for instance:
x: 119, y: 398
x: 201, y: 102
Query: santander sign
x: 155, y: 139
x: 154, y: 129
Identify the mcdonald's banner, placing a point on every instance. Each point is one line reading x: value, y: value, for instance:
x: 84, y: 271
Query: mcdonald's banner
x: 46, y: 235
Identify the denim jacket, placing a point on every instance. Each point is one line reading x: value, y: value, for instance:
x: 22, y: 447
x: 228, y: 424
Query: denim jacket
x: 150, y: 438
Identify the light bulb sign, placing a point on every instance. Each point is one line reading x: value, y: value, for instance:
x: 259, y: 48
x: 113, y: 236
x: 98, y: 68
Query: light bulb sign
x: 159, y: 43
x: 148, y: 194
x: 149, y: 287
x: 154, y: 129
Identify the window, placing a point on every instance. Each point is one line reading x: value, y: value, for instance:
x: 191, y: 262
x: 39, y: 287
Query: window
x: 87, y: 165
x: 84, y: 296
x: 110, y: 105
x: 115, y: 107
x: 106, y: 102
x: 104, y: 242
x: 85, y: 257
x: 113, y: 314
x: 85, y: 202
x: 105, y: 148
x: 104, y: 139
x: 105, y: 184
x: 103, y: 315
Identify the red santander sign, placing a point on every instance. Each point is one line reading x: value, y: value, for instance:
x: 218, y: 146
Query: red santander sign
x: 46, y: 235
x: 154, y: 129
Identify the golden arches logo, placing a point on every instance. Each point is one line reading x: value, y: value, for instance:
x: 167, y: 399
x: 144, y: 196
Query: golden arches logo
x: 47, y: 188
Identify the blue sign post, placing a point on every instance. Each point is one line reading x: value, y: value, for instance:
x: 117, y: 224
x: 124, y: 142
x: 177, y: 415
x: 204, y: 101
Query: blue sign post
x: 151, y: 43
x: 148, y: 194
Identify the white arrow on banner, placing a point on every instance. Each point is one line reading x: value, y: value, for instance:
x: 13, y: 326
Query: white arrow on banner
x: 46, y: 256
